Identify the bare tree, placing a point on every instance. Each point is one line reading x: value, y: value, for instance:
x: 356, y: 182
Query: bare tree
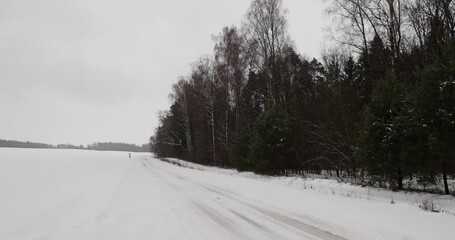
x: 179, y: 96
x: 390, y: 18
x: 429, y: 15
x: 354, y: 21
x: 203, y: 78
x: 230, y: 72
x: 417, y: 18
x: 266, y: 29
x: 362, y: 20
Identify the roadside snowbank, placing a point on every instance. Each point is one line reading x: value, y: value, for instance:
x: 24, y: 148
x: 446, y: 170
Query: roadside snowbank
x: 441, y: 203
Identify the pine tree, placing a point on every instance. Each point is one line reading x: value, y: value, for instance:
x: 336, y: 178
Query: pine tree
x: 434, y: 103
x: 272, y: 148
x: 382, y: 142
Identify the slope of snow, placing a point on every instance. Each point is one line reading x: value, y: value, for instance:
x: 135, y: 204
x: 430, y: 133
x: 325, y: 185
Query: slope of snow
x: 74, y: 194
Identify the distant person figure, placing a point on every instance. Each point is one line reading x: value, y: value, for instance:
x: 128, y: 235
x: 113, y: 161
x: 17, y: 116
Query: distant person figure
x: 129, y: 154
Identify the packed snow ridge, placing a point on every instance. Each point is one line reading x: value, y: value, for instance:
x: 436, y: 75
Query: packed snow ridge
x: 79, y: 194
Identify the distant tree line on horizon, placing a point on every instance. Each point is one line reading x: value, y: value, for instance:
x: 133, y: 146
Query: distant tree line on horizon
x: 107, y: 146
x: 110, y: 146
x: 379, y: 107
x: 19, y: 144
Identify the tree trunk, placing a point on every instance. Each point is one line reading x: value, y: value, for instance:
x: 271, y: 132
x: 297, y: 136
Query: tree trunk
x: 212, y: 123
x: 399, y: 179
x: 226, y: 119
x: 354, y: 169
x: 444, y: 176
x: 187, y: 125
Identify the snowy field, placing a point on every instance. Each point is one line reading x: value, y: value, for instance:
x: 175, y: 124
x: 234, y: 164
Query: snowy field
x: 78, y: 194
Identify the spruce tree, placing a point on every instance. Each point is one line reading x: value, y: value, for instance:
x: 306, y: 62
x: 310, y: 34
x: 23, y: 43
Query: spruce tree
x: 382, y: 142
x: 434, y: 105
x: 273, y: 145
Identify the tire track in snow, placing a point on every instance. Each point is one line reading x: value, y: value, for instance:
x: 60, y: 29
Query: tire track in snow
x: 232, y: 227
x: 281, y: 218
x: 230, y: 219
x: 259, y: 226
x: 289, y: 221
x: 221, y: 220
x: 147, y: 165
x: 105, y: 214
x: 181, y: 186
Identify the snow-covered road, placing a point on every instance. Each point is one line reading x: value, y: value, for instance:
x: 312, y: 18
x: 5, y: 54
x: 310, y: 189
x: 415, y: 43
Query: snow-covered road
x: 71, y: 194
x: 227, y: 212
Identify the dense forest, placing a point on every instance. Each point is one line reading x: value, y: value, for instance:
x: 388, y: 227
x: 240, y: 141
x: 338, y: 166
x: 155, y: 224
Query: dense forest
x: 108, y: 146
x: 378, y: 107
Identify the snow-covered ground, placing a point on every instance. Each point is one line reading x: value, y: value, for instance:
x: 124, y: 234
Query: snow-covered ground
x: 77, y: 194
x: 441, y: 203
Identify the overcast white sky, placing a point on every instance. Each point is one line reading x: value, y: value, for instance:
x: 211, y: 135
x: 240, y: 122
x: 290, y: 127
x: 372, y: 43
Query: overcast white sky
x: 99, y: 70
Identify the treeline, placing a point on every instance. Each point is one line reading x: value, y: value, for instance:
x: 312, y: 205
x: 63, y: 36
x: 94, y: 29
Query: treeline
x: 69, y: 146
x: 108, y: 146
x: 381, y: 110
x: 18, y: 144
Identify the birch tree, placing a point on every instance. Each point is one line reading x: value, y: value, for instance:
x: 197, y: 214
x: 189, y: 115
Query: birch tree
x: 230, y: 70
x: 179, y: 96
x: 266, y: 29
x: 203, y: 78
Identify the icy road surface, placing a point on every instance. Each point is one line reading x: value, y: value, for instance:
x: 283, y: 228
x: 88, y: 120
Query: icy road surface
x: 73, y: 194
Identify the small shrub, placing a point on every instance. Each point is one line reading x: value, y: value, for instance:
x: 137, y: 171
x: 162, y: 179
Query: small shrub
x: 428, y: 205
